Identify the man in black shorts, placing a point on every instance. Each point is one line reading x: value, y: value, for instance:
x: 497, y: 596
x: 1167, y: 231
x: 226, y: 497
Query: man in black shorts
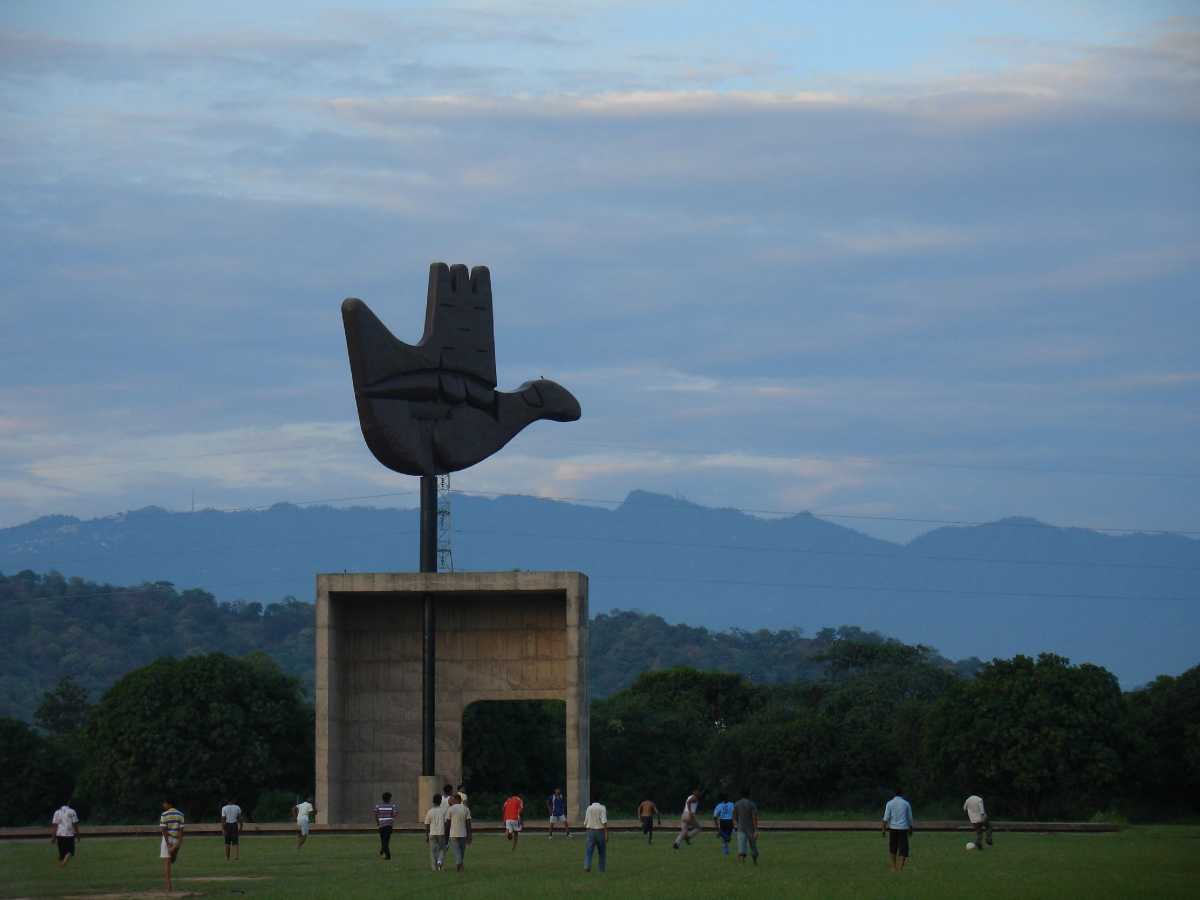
x: 66, y: 830
x: 898, y: 823
x: 231, y: 828
x: 648, y: 812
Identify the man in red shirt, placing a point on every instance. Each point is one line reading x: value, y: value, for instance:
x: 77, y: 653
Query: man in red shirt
x: 514, y: 806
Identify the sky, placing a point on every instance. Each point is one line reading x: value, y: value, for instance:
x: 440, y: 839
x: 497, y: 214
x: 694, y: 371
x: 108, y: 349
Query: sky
x: 894, y: 263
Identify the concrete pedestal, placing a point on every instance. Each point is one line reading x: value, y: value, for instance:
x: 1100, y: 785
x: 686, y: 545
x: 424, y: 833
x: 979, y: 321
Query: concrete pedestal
x: 427, y: 786
x: 500, y: 636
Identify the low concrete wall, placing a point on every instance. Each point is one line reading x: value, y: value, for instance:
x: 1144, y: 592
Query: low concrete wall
x: 484, y: 827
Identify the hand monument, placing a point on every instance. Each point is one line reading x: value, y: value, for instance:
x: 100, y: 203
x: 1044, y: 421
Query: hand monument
x: 433, y: 408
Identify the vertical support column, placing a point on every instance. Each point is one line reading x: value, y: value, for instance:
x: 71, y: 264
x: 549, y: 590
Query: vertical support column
x: 579, y: 774
x: 429, y: 630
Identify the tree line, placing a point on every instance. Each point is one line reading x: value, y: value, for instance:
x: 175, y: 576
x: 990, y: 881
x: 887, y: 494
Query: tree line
x: 1039, y: 738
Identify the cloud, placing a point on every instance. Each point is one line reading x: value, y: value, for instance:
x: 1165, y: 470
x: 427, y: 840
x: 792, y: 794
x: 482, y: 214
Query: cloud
x: 739, y: 283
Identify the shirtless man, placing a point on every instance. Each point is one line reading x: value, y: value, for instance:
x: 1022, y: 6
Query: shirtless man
x: 648, y: 812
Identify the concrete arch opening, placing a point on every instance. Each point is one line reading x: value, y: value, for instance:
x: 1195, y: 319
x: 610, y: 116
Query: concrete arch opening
x: 514, y: 746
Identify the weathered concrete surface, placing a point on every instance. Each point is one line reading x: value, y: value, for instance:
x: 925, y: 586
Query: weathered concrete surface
x: 500, y: 636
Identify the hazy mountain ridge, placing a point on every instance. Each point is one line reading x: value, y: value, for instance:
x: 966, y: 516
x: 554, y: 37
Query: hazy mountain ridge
x: 1125, y: 601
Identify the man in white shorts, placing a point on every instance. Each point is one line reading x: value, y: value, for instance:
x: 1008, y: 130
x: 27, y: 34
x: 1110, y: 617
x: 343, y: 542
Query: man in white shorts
x: 556, y: 806
x: 170, y: 826
x: 514, y: 808
x: 304, y: 813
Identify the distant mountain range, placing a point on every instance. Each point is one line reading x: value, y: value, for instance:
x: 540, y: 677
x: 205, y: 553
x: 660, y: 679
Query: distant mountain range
x: 1128, y: 602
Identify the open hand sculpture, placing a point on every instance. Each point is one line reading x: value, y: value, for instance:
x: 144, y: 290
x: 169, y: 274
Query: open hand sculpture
x: 433, y: 408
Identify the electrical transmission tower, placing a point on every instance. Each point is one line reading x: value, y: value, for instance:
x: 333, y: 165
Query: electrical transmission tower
x: 445, y: 553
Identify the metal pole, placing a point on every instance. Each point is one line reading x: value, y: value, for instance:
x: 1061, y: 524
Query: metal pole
x: 429, y: 631
x: 429, y: 523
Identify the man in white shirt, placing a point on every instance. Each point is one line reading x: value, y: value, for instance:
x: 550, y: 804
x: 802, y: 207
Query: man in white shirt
x: 689, y: 825
x: 460, y: 830
x: 973, y: 807
x: 898, y: 825
x: 304, y: 813
x: 435, y: 833
x: 595, y: 821
x: 231, y: 828
x: 66, y: 831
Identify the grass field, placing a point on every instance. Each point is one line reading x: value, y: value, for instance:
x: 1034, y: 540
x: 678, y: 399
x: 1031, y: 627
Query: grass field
x: 1159, y: 862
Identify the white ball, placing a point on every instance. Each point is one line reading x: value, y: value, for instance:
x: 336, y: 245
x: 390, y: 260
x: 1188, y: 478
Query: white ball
x: 970, y: 845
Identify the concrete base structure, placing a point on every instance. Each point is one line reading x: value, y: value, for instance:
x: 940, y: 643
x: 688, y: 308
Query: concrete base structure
x: 500, y: 636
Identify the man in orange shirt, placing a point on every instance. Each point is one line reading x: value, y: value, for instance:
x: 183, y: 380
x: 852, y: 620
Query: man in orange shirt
x: 514, y: 806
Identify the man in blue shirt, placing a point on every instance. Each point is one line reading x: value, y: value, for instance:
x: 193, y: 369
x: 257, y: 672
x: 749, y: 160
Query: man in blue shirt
x: 898, y: 824
x: 723, y: 819
x: 556, y: 805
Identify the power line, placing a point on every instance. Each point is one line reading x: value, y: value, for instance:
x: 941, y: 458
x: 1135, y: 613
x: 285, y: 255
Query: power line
x: 831, y: 515
x: 899, y: 556
x: 894, y: 590
x: 894, y: 461
x: 685, y: 451
x: 731, y: 582
x: 263, y: 506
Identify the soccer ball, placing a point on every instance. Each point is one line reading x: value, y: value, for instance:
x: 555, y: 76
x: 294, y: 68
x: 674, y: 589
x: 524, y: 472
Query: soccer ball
x: 971, y: 845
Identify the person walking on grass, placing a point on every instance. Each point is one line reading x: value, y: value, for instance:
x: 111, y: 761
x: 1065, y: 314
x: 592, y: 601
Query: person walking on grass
x: 556, y: 806
x: 460, y: 830
x: 648, y: 812
x: 595, y: 821
x: 745, y: 820
x: 304, y: 812
x: 514, y: 808
x: 689, y: 825
x: 973, y: 807
x: 65, y: 822
x: 435, y: 833
x: 723, y: 819
x: 385, y: 816
x: 898, y: 825
x: 231, y: 829
x: 170, y: 827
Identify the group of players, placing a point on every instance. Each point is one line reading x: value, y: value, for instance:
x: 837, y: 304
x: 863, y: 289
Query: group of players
x: 448, y: 826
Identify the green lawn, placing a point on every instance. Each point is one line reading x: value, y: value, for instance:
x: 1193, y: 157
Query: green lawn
x: 1160, y: 862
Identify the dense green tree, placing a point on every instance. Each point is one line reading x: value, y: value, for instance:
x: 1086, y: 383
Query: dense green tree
x: 64, y: 710
x: 203, y: 729
x: 34, y: 781
x: 1164, y: 732
x: 513, y: 746
x: 654, y: 737
x: 788, y: 756
x: 1036, y: 736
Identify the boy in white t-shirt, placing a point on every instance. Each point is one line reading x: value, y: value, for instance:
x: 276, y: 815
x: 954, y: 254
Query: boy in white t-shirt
x: 304, y: 813
x: 460, y: 830
x: 435, y: 833
x: 231, y: 828
x: 66, y: 832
